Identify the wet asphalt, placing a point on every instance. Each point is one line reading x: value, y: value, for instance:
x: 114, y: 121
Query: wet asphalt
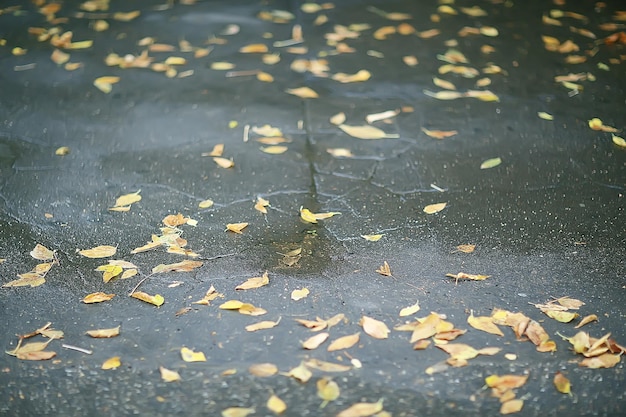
x: 547, y: 222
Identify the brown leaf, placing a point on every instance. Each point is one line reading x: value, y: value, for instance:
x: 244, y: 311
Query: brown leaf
x: 466, y: 248
x: 255, y: 282
x: 511, y: 406
x: 375, y: 328
x: 236, y: 227
x: 384, y: 269
x: 41, y: 355
x: 183, y: 266
x: 344, y: 342
x: 362, y: 409
x: 606, y: 360
x: 104, y: 333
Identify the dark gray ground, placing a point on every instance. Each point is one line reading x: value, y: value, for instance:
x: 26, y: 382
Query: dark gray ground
x: 547, y: 222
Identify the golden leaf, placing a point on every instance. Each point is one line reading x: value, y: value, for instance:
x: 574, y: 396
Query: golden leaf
x: 189, y: 355
x: 372, y: 238
x: 97, y: 297
x: 250, y: 310
x: 236, y: 227
x: 474, y: 11
x: 586, y: 320
x: 606, y: 360
x: 562, y: 316
x: 434, y: 208
x: 104, y: 333
x: 109, y: 271
x: 168, y: 375
x: 262, y: 325
x: 62, y: 151
x: 443, y: 84
x: 385, y: 115
x: 561, y: 383
x: 41, y: 355
x: 362, y: 75
x: 223, y: 162
x: 375, y: 328
x: 439, y: 134
x: 484, y: 323
x: 263, y: 369
x: 366, y: 132
x: 545, y: 116
x: 99, y: 252
x: 314, y: 342
x: 491, y: 163
x: 222, y: 66
x: 505, y: 382
x: 42, y: 253
x: 344, y: 342
x: 264, y: 77
x: 338, y: 119
x: 254, y: 48
x: 619, y: 141
x: 255, y: 282
x: 407, y: 311
x: 362, y: 409
x: 511, y: 406
x: 261, y: 205
x: 327, y: 390
x: 237, y: 412
x: 382, y: 33
x: 302, y: 92
x: 427, y: 34
x: 272, y: 140
x: 183, y: 266
x: 410, y: 60
x: 326, y: 366
x: 275, y: 404
x: 105, y: 84
x: 205, y: 204
x: 384, y: 269
x: 274, y: 150
x: 267, y: 130
x: 299, y: 294
x: 156, y: 300
x: 301, y: 373
x: 210, y: 295
x: 30, y: 279
x: 112, y: 363
x: 126, y: 17
x: 59, y: 57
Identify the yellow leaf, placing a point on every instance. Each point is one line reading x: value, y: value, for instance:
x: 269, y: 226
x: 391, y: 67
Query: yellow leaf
x: 434, y: 208
x: 444, y: 95
x: 473, y: 277
x: 255, y: 282
x: 484, y: 323
x: 443, y: 84
x: 326, y: 366
x: 112, y: 363
x: 236, y: 227
x: 366, y: 132
x: 362, y: 409
x: 105, y: 84
x: 175, y: 220
x: 62, y: 151
x: 606, y: 360
x: 262, y: 325
x: 466, y: 248
x: 407, y: 311
x: 619, y: 141
x: 276, y: 405
x: 263, y: 369
x: 175, y: 60
x: 562, y: 316
x: 375, y: 328
x: 222, y: 66
x: 109, y: 271
x: 562, y: 384
x: 156, y: 300
x: 382, y: 33
x: 231, y: 305
x: 385, y: 115
x: 545, y: 116
x: 205, y: 204
x: 182, y: 266
x: 41, y: 355
x: 491, y: 163
x: 237, y: 412
x: 301, y: 373
x: 104, y: 333
x: 439, y: 134
x: 223, y: 162
x: 307, y: 215
x: 384, y: 269
x: 274, y: 150
x: 302, y: 92
x: 127, y: 199
x: 42, y: 253
x: 338, y: 119
x: 327, y: 389
x: 250, y: 310
x: 344, y: 342
x: 97, y: 297
x: 30, y: 279
x: 299, y: 294
x: 362, y: 75
x: 99, y: 252
x: 511, y: 406
x: 189, y: 355
x: 80, y: 45
x: 372, y: 238
x: 314, y: 342
x: 126, y: 17
x: 261, y: 205
x: 586, y: 320
x: 254, y: 48
x: 59, y: 57
x: 265, y: 77
x: 168, y: 375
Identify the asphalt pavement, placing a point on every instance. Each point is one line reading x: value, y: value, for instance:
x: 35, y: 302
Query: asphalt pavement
x: 315, y: 145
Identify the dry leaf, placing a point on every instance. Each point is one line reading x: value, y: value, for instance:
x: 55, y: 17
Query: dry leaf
x: 97, y: 297
x: 222, y: 66
x: 466, y: 248
x: 189, y: 355
x: 41, y: 355
x: 28, y: 279
x: 274, y: 150
x: 375, y: 117
x: 236, y: 227
x: 126, y: 17
x: 562, y: 384
x: 261, y: 205
x: 326, y: 366
x: 545, y: 116
x: 104, y: 333
x: 262, y: 325
x: 473, y: 277
x: 439, y: 134
x: 511, y: 406
x: 205, y: 204
x: 327, y: 390
x: 375, y: 328
x: 62, y: 151
x: 255, y: 282
x: 263, y: 369
x: 562, y: 316
x: 223, y: 162
x: 42, y: 253
x: 490, y: 163
x: 372, y: 238
x: 407, y: 311
x: 174, y: 220
x: 344, y: 342
x: 619, y: 141
x: 434, y: 208
x: 105, y: 84
x: 299, y: 294
x: 338, y: 119
x: 586, y: 320
x: 316, y: 325
x: 112, y: 363
x: 362, y: 409
x: 254, y: 48
x: 109, y: 271
x: 302, y: 92
x: 99, y: 252
x: 314, y: 342
x: 384, y: 269
x: 606, y: 360
x: 156, y: 300
x: 484, y: 323
x: 301, y: 373
x: 169, y: 376
x: 276, y: 405
x: 183, y: 266
x: 366, y: 132
x: 250, y: 310
x: 237, y: 412
x: 362, y: 75
x: 410, y: 60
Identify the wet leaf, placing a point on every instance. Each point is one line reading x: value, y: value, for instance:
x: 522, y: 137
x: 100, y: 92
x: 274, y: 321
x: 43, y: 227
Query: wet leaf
x: 183, y: 266
x: 112, y: 363
x: 237, y: 412
x: 362, y: 75
x: 443, y: 84
x: 344, y: 342
x: 382, y: 33
x: 407, y: 311
x: 255, y: 282
x: 189, y: 355
x: 366, y: 132
x: 484, y: 323
x: 42, y: 253
x: 385, y: 115
x: 168, y: 375
x: 156, y: 300
x: 372, y: 238
x: 375, y: 328
x: 439, y: 134
x: 210, y: 295
x: 99, y: 252
x: 511, y: 406
x: 586, y: 320
x: 105, y: 84
x: 490, y: 163
x: 562, y: 384
x: 104, y: 333
x: 606, y: 360
x: 276, y: 405
x: 262, y: 325
x: 299, y: 294
x: 384, y: 269
x: 127, y: 16
x: 223, y: 162
x: 545, y: 116
x: 338, y: 119
x: 263, y: 369
x: 444, y: 95
x: 434, y: 208
x: 619, y: 141
x: 597, y: 124
x: 236, y: 227
x: 410, y: 60
x: 314, y: 342
x: 302, y: 92
x: 362, y: 409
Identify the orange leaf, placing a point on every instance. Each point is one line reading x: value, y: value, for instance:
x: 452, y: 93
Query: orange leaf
x: 255, y: 282
x: 484, y: 323
x: 314, y: 342
x: 104, y: 333
x: 344, y: 342
x: 236, y: 227
x: 99, y: 252
x: 263, y: 369
x: 375, y: 328
x: 112, y: 363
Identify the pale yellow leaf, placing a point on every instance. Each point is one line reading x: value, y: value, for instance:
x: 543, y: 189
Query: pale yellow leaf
x: 340, y: 152
x: 362, y: 75
x: 619, y: 141
x: 62, y: 151
x: 112, y: 363
x: 254, y: 48
x: 189, y: 355
x: 372, y: 238
x: 222, y: 66
x: 274, y: 150
x: 237, y: 412
x: 586, y: 320
x: 545, y: 116
x: 407, y: 311
x: 366, y: 132
x: 434, y: 208
x: 314, y: 342
x: 344, y: 342
x: 362, y: 409
x: 484, y: 323
x: 511, y: 406
x: 103, y: 251
x: 156, y: 300
x: 338, y: 119
x: 326, y: 366
x: 168, y: 375
x: 301, y: 373
x: 276, y: 405
x: 231, y: 305
x: 375, y: 328
x: 299, y: 294
x: 443, y: 84
x: 262, y: 325
x: 439, y: 134
x: 491, y: 163
x: 205, y: 204
x: 104, y: 333
x: 307, y: 215
x: 42, y: 253
x: 255, y: 282
x: 302, y: 92
x: 236, y: 227
x: 223, y: 162
x: 263, y: 369
x: 327, y: 389
x: 444, y: 94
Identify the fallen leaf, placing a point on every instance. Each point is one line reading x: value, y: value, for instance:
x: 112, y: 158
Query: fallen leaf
x: 262, y: 325
x: 62, y: 151
x: 223, y: 162
x: 407, y: 311
x: 109, y: 271
x: 473, y: 277
x: 237, y: 412
x: 275, y: 404
x: 362, y: 409
x: 156, y: 300
x: 99, y: 252
x: 126, y: 17
x: 375, y: 328
x: 274, y: 150
x: 434, y: 208
x: 362, y: 75
x: 302, y: 92
x: 41, y: 355
x: 545, y: 116
x: 315, y: 325
x: 484, y: 323
x: 105, y: 84
x: 236, y: 227
x: 410, y: 60
x: 104, y: 333
x: 511, y: 406
x: 366, y: 132
x: 263, y: 369
x: 112, y: 363
x: 619, y: 141
x: 344, y: 342
x: 606, y: 360
x: 561, y: 383
x: 205, y: 204
x: 301, y: 373
x: 491, y: 163
x: 97, y: 297
x: 326, y: 366
x: 439, y: 134
x: 385, y: 115
x: 327, y: 390
x: 562, y: 316
x: 466, y: 248
x: 189, y: 355
x: 174, y: 220
x: 261, y: 205
x: 372, y: 238
x: 586, y: 320
x: 182, y: 266
x: 314, y: 342
x: 27, y: 279
x: 299, y: 294
x: 222, y: 66
x: 42, y: 253
x: 254, y: 48
x: 338, y: 119
x: 384, y: 269
x: 250, y: 310
x: 168, y: 375
x: 255, y: 282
